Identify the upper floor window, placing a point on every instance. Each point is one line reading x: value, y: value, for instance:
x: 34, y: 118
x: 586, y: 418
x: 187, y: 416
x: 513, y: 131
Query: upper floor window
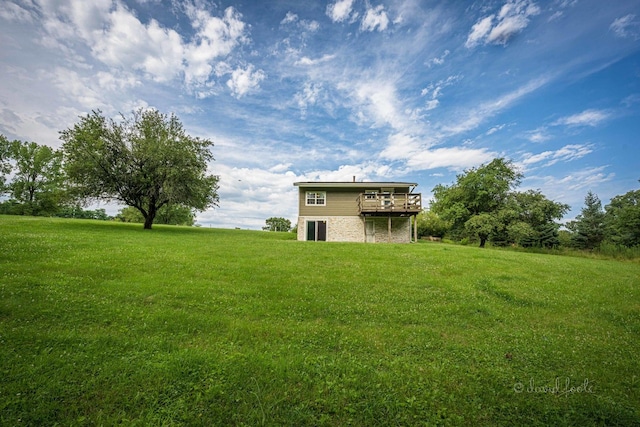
x: 316, y: 198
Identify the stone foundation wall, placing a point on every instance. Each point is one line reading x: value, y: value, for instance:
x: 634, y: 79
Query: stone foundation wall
x: 339, y: 228
x: 352, y: 228
x: 400, y: 229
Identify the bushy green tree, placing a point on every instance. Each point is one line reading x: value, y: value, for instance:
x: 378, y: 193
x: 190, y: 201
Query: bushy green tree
x: 430, y: 224
x: 482, y: 225
x: 145, y: 161
x: 5, y: 165
x: 37, y: 179
x: 533, y: 209
x: 622, y: 218
x: 588, y: 228
x: 277, y: 224
x: 482, y: 204
x: 478, y: 191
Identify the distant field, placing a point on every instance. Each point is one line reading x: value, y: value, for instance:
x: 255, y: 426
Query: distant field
x: 105, y: 323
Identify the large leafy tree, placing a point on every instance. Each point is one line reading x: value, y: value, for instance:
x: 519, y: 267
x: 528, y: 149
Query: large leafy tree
x: 529, y: 219
x: 479, y: 191
x: 483, y: 203
x: 145, y: 161
x: 588, y: 228
x: 36, y: 184
x: 622, y: 218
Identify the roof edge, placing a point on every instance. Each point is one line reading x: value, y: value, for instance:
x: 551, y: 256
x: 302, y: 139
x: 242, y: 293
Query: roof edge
x: 336, y: 184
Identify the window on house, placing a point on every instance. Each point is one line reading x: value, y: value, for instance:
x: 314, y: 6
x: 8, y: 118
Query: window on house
x: 316, y: 198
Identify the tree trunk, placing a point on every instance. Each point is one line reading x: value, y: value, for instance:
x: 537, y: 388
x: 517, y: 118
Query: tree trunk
x: 151, y: 215
x: 483, y: 240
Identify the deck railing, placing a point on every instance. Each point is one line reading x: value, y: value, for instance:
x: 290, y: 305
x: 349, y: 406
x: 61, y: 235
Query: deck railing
x: 408, y: 203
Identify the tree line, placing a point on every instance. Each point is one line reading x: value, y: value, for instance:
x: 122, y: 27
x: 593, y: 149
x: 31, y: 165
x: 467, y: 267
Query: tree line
x: 482, y: 205
x: 146, y: 162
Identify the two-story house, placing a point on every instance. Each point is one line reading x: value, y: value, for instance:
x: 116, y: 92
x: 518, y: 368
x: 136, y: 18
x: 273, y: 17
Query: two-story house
x: 357, y: 211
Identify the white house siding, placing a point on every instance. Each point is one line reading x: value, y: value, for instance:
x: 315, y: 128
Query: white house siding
x: 352, y: 228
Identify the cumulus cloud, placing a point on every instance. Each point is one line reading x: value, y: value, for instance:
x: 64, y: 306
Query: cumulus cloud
x: 118, y: 39
x: 340, y: 10
x: 501, y: 27
x: 375, y: 18
x: 245, y: 80
x: 586, y: 118
x: 626, y: 27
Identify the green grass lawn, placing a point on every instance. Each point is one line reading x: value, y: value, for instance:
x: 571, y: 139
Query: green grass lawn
x: 105, y: 323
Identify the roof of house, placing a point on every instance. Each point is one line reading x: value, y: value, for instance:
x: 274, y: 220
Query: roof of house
x: 355, y: 184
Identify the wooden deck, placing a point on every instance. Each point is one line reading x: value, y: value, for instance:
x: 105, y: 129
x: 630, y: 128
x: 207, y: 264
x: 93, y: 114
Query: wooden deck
x: 394, y: 204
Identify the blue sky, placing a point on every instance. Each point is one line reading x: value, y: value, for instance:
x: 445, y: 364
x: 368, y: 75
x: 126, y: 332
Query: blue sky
x: 399, y: 90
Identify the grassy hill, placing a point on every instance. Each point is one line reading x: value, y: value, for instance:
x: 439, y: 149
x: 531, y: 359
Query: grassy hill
x: 104, y: 323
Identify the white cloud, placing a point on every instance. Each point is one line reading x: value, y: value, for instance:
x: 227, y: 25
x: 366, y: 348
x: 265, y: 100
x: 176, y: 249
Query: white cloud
x: 495, y: 129
x: 570, y: 186
x: 498, y: 29
x: 308, y: 61
x: 564, y: 154
x: 456, y: 158
x: 128, y: 44
x: 340, y: 10
x: 537, y: 135
x: 376, y: 101
x: 245, y: 80
x: 586, y: 118
x: 14, y: 12
x: 216, y: 38
x: 479, y: 31
x: 586, y: 178
x: 249, y: 196
x: 419, y: 154
x: 309, y: 96
x: 435, y: 91
x: 375, y: 18
x: 626, y: 27
x: 485, y: 110
x: 119, y: 40
x: 289, y: 18
x: 439, y: 60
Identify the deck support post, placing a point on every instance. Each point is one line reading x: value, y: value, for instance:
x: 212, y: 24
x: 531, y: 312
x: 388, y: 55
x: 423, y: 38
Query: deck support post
x: 389, y: 236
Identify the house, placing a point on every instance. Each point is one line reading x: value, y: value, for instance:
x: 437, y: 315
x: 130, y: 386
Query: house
x: 357, y: 211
